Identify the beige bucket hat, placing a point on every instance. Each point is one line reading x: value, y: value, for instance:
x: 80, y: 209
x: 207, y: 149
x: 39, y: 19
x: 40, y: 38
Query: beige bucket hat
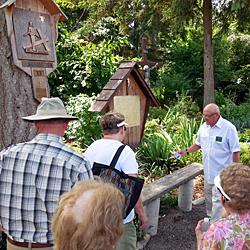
x: 50, y: 108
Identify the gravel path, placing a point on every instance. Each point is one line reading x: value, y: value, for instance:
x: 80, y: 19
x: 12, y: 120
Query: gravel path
x: 176, y: 230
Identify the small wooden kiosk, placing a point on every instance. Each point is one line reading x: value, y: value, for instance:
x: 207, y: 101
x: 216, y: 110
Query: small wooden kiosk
x: 128, y: 93
x: 32, y: 28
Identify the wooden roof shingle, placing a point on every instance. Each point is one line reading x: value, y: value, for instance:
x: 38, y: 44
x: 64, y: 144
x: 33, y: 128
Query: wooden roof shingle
x: 50, y: 5
x: 122, y: 73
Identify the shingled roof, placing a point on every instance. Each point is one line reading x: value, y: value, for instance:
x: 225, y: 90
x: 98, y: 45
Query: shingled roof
x: 50, y: 5
x: 122, y: 73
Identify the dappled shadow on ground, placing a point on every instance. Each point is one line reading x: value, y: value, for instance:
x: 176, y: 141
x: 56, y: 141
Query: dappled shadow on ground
x: 176, y: 229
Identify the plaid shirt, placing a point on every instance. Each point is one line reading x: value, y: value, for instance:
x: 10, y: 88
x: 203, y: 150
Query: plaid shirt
x: 33, y: 176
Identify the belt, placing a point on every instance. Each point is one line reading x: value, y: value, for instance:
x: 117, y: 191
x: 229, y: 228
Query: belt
x: 29, y: 244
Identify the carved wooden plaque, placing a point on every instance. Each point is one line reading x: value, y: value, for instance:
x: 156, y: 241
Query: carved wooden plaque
x: 33, y: 35
x: 40, y: 83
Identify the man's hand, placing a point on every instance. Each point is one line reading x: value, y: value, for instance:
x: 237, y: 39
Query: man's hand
x: 141, y: 214
x: 190, y: 149
x: 182, y: 152
x: 143, y: 222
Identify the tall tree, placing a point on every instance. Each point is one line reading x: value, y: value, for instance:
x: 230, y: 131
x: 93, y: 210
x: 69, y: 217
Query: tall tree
x: 208, y: 53
x: 16, y: 96
x: 163, y: 18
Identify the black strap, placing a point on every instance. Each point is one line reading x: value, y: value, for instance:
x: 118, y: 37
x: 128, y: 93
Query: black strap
x: 116, y: 156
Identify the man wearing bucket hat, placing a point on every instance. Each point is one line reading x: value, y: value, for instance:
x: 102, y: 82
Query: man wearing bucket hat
x: 34, y: 174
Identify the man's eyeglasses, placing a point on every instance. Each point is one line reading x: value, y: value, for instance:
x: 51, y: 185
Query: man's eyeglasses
x: 209, y: 116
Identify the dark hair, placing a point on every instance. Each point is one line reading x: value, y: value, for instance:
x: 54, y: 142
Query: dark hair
x: 109, y: 122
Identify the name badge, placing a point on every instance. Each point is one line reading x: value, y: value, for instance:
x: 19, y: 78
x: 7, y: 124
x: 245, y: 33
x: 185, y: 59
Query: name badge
x: 218, y: 139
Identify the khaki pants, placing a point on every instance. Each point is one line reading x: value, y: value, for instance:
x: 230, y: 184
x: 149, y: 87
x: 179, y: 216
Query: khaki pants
x: 208, y: 197
x: 128, y: 239
x: 12, y: 247
x: 213, y: 203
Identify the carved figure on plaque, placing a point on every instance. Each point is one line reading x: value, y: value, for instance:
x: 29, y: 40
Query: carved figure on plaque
x: 38, y: 44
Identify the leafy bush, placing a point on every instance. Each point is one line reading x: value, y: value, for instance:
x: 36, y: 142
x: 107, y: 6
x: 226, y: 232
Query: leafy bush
x: 239, y: 115
x: 86, y: 129
x: 166, y: 131
x: 244, y: 136
x: 85, y: 63
x: 155, y: 153
x: 245, y: 153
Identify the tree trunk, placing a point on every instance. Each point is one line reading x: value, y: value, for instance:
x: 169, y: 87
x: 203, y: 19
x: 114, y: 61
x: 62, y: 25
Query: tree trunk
x: 16, y: 95
x: 208, y: 53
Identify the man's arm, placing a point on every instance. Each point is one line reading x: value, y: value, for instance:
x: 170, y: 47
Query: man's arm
x: 191, y: 149
x: 236, y: 156
x: 139, y: 209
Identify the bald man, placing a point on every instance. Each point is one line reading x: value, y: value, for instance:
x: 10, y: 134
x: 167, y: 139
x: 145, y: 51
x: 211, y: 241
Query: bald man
x: 219, y: 142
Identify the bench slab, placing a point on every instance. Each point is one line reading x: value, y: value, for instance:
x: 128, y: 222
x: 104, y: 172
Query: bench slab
x: 169, y: 182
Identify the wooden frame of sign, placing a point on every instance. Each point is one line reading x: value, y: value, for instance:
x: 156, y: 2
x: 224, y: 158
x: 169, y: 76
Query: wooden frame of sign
x: 40, y: 83
x: 32, y: 28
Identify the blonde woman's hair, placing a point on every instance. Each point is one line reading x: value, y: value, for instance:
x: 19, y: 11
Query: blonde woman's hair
x: 89, y: 217
x: 235, y: 181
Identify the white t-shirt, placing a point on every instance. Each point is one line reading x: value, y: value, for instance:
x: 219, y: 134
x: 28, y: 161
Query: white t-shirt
x: 103, y: 151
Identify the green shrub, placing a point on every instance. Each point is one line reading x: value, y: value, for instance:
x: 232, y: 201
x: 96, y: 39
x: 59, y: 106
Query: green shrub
x: 168, y: 201
x: 155, y: 153
x: 245, y: 153
x: 244, y: 138
x: 167, y: 131
x: 86, y: 129
x: 86, y: 61
x: 239, y: 115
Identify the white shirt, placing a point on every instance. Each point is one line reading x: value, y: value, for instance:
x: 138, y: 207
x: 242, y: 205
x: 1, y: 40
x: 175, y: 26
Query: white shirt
x: 103, y: 151
x: 218, y: 143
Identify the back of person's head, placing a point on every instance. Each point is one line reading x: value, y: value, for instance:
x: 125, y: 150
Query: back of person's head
x: 89, y: 217
x: 50, y: 109
x: 235, y: 181
x: 112, y: 122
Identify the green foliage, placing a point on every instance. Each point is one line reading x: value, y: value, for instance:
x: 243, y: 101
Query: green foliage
x: 86, y: 129
x: 85, y: 66
x: 245, y: 153
x: 244, y: 136
x: 167, y: 131
x: 237, y: 84
x: 155, y: 153
x: 239, y: 115
x: 169, y: 200
x: 183, y: 67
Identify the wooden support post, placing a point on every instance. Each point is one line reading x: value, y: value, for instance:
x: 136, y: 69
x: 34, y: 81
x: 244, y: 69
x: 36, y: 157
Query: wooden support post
x: 185, y: 196
x: 152, y: 210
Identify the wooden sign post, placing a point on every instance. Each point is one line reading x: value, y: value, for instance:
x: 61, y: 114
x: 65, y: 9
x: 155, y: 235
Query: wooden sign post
x: 32, y: 28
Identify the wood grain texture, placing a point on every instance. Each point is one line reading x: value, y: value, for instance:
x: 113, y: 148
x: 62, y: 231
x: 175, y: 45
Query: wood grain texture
x: 16, y: 96
x: 169, y: 182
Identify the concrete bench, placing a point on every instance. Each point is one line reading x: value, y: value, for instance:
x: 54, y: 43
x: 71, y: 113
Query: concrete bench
x: 151, y: 193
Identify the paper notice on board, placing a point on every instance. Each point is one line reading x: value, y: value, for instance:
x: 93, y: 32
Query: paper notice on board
x: 129, y: 106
